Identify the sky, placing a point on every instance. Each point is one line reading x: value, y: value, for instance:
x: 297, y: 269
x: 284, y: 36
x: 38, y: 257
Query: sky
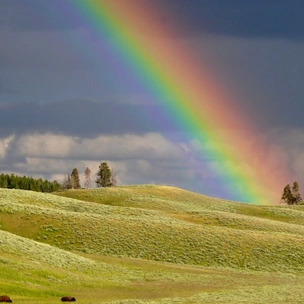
x: 63, y: 103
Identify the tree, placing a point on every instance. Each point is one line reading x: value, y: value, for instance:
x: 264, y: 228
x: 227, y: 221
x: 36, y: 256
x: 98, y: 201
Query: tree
x: 113, y: 178
x: 69, y: 182
x: 292, y: 195
x: 296, y: 193
x: 87, y: 178
x: 103, y: 175
x: 72, y: 184
x: 66, y: 182
x: 75, y: 183
x: 287, y: 195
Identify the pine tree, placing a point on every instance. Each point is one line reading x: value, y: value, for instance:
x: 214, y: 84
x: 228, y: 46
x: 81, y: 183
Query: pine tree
x: 296, y: 193
x: 87, y: 178
x: 287, y: 195
x: 103, y: 175
x: 75, y: 183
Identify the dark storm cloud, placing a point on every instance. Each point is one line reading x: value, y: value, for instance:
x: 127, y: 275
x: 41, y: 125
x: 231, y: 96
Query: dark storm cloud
x: 242, y: 18
x: 81, y: 118
x: 36, y: 15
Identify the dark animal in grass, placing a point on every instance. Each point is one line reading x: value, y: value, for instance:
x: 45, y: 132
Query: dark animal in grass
x: 68, y: 299
x: 5, y: 299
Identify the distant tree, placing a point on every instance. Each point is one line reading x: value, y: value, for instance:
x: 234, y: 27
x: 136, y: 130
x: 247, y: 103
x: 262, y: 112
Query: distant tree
x: 43, y: 186
x: 65, y: 182
x: 113, y: 178
x: 12, y: 182
x: 87, y: 178
x: 4, y: 180
x: 103, y: 175
x: 72, y: 184
x: 55, y: 186
x: 287, y: 195
x: 292, y: 195
x: 296, y: 193
x: 69, y: 182
x: 75, y: 182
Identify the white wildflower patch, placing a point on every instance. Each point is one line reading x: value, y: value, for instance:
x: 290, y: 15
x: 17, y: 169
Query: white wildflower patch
x: 38, y: 252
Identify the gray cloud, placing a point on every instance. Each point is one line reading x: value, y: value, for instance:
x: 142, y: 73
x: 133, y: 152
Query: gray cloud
x: 36, y: 15
x: 4, y: 89
x: 264, y: 77
x: 81, y: 118
x: 40, y: 50
x: 239, y: 18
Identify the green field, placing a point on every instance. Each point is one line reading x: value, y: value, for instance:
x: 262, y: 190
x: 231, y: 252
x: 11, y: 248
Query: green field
x: 148, y: 244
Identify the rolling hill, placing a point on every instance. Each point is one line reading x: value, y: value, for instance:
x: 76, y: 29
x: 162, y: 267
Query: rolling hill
x: 148, y: 244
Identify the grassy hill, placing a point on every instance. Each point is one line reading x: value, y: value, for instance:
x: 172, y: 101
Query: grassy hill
x: 148, y: 244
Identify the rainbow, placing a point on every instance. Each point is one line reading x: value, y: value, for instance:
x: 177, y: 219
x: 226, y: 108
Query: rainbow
x: 188, y: 93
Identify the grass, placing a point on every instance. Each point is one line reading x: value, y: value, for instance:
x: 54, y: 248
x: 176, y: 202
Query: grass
x: 148, y: 244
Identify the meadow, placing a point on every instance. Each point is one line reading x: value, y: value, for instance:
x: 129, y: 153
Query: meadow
x: 148, y: 244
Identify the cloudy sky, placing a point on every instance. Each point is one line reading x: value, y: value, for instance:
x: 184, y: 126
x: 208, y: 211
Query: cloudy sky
x: 63, y: 107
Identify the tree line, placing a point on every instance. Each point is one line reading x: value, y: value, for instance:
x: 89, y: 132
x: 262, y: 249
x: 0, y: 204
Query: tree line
x: 106, y: 177
x: 12, y: 181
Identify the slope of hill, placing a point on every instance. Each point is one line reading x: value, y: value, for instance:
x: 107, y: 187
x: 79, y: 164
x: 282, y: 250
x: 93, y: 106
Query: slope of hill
x: 148, y: 242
